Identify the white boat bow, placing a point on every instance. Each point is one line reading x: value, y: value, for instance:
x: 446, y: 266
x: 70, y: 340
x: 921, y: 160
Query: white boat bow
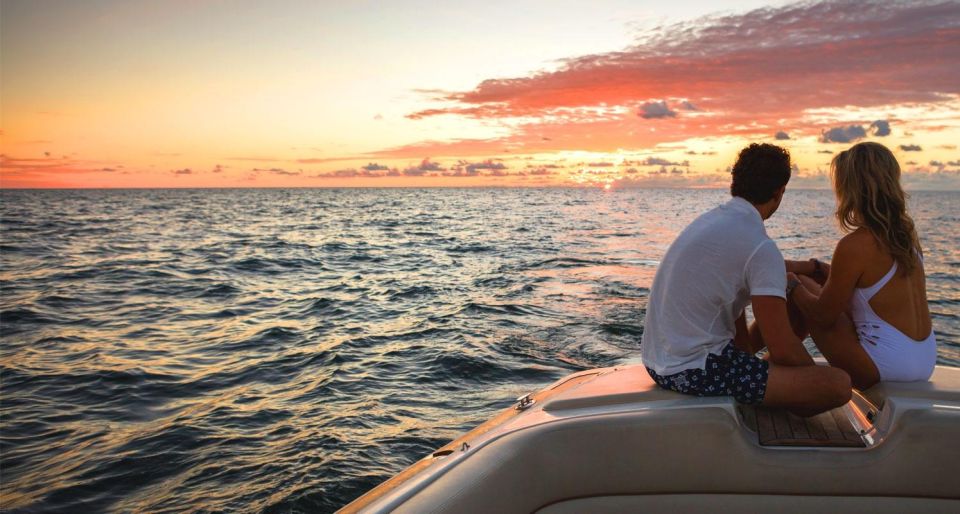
x: 610, y: 440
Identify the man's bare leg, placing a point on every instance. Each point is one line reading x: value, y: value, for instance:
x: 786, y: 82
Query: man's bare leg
x: 807, y: 390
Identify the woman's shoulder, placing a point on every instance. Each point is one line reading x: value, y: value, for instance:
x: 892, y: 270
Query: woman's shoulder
x: 861, y: 241
x: 859, y: 249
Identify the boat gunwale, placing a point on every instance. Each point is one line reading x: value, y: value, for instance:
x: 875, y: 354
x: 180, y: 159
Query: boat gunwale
x: 388, y: 495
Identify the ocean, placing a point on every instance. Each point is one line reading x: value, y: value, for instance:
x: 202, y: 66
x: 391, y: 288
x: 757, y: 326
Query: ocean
x: 285, y: 350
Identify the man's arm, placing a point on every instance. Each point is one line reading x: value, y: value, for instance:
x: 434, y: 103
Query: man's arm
x: 784, y: 346
x: 799, y: 267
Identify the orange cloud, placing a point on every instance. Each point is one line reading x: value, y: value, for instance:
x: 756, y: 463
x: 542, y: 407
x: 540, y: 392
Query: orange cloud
x: 748, y: 74
x: 11, y: 166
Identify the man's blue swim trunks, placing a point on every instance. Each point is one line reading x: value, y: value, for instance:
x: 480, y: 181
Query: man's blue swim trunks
x: 732, y: 373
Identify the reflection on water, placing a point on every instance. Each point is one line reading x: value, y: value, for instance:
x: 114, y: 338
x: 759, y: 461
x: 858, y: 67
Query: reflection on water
x: 286, y: 350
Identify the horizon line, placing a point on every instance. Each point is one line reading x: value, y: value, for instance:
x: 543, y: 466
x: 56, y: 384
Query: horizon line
x: 598, y: 188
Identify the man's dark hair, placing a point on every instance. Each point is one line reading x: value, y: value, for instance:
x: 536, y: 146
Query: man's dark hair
x: 760, y: 170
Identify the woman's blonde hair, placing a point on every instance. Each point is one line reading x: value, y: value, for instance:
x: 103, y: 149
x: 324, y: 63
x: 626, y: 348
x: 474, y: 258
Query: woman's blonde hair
x: 866, y: 179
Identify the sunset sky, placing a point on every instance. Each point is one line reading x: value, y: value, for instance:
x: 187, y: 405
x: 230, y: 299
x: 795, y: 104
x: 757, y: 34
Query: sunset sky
x: 611, y: 93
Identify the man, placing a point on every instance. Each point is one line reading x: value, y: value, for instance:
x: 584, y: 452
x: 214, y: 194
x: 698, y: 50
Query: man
x: 696, y: 340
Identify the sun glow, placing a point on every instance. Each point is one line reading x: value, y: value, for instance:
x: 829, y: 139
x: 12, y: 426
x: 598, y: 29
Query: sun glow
x: 574, y: 99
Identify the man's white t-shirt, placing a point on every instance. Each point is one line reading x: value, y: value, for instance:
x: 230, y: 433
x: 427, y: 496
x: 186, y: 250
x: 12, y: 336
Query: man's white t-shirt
x: 704, y: 282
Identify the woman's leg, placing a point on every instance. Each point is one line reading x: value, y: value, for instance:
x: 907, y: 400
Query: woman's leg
x: 841, y: 346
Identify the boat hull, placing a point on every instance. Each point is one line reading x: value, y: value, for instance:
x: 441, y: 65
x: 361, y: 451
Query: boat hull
x: 610, y: 440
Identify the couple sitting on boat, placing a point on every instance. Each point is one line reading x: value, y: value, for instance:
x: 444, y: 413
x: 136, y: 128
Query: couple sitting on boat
x: 866, y: 311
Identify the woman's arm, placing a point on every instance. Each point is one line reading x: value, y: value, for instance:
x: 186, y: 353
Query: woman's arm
x: 834, y: 298
x: 813, y: 268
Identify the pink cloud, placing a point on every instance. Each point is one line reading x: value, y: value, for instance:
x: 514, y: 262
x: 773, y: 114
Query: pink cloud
x: 752, y: 73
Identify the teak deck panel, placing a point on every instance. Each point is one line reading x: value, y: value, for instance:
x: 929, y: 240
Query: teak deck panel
x: 777, y: 427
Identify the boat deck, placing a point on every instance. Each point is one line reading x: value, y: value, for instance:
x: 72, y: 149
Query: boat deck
x: 777, y: 427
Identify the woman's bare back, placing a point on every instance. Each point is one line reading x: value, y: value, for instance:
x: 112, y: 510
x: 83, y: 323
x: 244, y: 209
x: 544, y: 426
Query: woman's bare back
x: 902, y: 302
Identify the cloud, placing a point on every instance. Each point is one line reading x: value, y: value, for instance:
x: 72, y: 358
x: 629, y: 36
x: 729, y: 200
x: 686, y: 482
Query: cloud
x: 653, y: 110
x: 600, y: 164
x: 750, y: 85
x: 847, y: 134
x: 183, y: 171
x: 421, y: 169
x: 880, y: 128
x: 826, y: 39
x: 668, y: 179
x: 781, y: 136
x: 428, y: 165
x: 345, y: 173
x: 10, y: 165
x: 362, y: 172
x: 217, y: 169
x: 911, y: 148
x: 687, y: 106
x: 473, y: 169
x: 277, y: 171
x: 486, y: 165
x: 375, y: 167
x: 940, y: 165
x: 657, y: 161
x: 542, y: 171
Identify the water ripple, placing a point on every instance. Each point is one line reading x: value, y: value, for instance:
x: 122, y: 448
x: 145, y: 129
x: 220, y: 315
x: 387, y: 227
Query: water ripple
x: 287, y: 350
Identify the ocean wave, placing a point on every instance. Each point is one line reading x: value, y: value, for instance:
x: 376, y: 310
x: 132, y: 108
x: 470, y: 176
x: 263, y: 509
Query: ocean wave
x: 564, y: 262
x: 187, y: 354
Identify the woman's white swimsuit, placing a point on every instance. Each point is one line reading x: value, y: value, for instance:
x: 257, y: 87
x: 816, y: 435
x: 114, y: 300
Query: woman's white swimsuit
x: 898, y: 357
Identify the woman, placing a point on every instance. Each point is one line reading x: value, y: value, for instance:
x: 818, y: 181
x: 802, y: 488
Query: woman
x: 871, y: 318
